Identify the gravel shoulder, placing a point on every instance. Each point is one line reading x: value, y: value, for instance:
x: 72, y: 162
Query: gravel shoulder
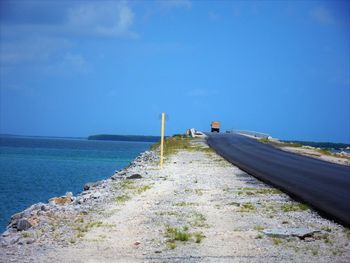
x: 309, y: 151
x: 198, y: 208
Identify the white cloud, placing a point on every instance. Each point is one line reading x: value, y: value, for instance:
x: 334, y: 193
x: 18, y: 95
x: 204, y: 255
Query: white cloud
x: 112, y: 19
x: 321, y: 15
x: 168, y: 4
x: 70, y: 62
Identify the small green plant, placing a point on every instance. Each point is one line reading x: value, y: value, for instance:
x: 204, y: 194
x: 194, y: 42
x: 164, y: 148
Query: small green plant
x: 26, y: 234
x: 259, y: 236
x: 185, y: 204
x: 347, y: 232
x: 171, y: 245
x: 198, y: 192
x: 122, y: 198
x: 259, y: 228
x: 294, y: 207
x: 143, y: 188
x: 176, y: 234
x: 257, y: 191
x: 247, y: 207
x: 327, y: 229
x: 198, y: 220
x: 127, y: 184
x: 198, y: 237
x: 276, y: 241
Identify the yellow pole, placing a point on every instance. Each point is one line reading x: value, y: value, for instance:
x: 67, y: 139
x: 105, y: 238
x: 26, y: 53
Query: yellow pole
x: 162, y: 141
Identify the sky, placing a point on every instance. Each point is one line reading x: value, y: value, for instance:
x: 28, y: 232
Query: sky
x: 77, y: 68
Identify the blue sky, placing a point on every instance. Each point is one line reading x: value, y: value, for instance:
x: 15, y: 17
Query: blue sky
x: 75, y: 68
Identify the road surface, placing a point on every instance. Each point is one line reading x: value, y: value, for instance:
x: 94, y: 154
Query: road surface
x: 322, y: 185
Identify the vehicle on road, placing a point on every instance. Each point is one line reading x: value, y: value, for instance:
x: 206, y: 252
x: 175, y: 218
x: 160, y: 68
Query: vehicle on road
x: 215, y: 126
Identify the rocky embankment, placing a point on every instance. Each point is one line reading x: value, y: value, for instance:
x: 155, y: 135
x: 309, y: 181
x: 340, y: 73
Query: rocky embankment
x: 198, y: 208
x: 51, y: 223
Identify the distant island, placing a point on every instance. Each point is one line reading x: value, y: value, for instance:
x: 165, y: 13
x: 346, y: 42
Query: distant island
x: 133, y: 138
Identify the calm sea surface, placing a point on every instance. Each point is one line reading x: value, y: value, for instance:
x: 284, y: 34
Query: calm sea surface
x: 35, y: 169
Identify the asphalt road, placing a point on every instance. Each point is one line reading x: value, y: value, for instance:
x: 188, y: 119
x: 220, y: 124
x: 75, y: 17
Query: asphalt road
x: 322, y: 185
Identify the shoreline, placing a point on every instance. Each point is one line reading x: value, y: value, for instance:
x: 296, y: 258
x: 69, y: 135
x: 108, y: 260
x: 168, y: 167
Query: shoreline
x: 41, y: 215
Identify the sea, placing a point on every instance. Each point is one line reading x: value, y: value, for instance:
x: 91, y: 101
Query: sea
x: 35, y: 169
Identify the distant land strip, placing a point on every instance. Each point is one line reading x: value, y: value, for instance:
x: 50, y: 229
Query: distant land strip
x: 133, y: 138
x: 329, y: 145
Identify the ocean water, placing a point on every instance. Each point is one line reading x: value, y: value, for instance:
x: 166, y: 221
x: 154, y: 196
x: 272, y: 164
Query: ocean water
x: 35, y: 169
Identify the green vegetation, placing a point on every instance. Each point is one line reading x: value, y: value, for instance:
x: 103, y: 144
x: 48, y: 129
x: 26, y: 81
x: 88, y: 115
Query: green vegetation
x: 281, y: 143
x: 259, y: 228
x: 87, y: 226
x: 294, y: 207
x: 347, y: 232
x: 326, y: 145
x: 276, y: 240
x: 185, y: 204
x: 122, y: 198
x: 326, y: 228
x: 199, y: 237
x: 27, y: 234
x: 171, y: 245
x: 257, y: 191
x: 259, y: 236
x: 198, y: 191
x: 180, y: 142
x: 198, y: 220
x: 315, y: 251
x: 176, y: 234
x: 143, y: 188
x: 247, y: 207
x: 129, y: 185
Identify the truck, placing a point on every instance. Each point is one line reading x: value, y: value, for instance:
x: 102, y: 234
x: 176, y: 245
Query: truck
x: 215, y: 126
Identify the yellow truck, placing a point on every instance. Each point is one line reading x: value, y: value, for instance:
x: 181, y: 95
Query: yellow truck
x: 215, y: 126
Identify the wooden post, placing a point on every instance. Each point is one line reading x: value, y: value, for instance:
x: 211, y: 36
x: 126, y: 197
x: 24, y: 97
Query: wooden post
x: 162, y: 141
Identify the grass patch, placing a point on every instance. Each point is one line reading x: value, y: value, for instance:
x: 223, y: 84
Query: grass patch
x: 199, y: 237
x: 347, y: 232
x: 276, y: 241
x: 171, y: 245
x: 122, y: 198
x: 198, y: 192
x: 259, y: 236
x: 127, y: 184
x: 257, y: 191
x: 198, y: 220
x: 143, y: 188
x: 177, y: 234
x: 297, y: 207
x: 259, y: 228
x: 85, y: 227
x: 280, y: 144
x: 185, y: 204
x: 247, y: 207
x: 27, y: 234
x: 180, y: 142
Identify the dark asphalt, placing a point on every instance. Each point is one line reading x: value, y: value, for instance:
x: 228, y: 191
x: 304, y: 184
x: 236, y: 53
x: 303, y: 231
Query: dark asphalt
x: 322, y: 185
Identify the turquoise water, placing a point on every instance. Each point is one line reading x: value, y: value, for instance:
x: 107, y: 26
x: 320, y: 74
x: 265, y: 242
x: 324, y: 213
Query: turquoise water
x: 35, y: 169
